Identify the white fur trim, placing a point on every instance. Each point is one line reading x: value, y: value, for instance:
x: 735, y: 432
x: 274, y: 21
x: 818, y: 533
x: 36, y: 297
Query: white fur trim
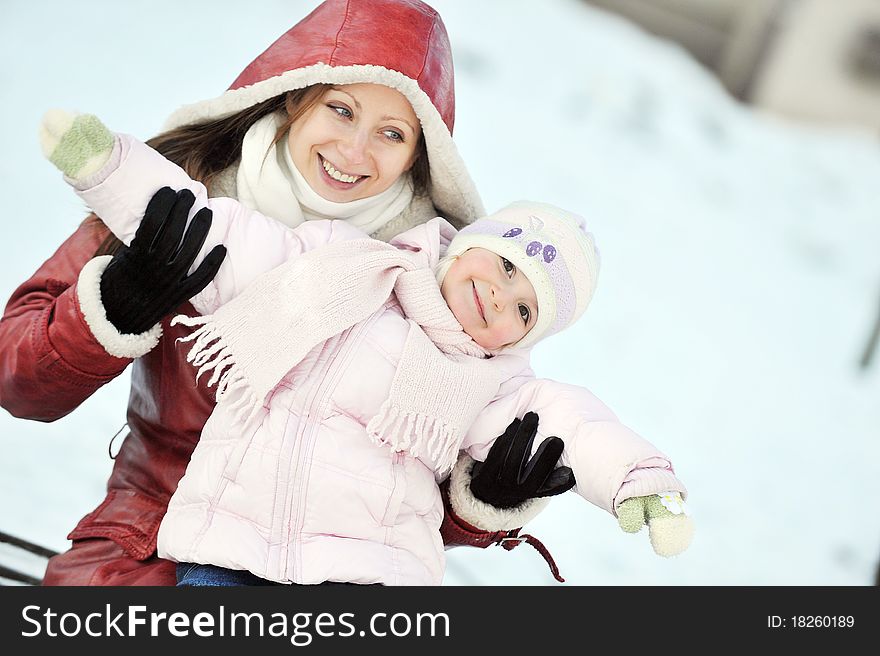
x: 481, y: 514
x: 452, y: 189
x: 88, y: 289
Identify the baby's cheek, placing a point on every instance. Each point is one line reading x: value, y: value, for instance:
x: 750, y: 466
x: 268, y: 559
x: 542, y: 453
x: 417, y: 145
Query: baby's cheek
x: 508, y: 335
x: 488, y: 340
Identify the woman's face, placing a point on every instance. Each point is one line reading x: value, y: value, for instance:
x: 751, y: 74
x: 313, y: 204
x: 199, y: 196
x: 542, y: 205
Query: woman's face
x: 355, y: 142
x: 491, y: 299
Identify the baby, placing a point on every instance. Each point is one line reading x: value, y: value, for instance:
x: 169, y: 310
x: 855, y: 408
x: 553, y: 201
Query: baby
x: 350, y: 373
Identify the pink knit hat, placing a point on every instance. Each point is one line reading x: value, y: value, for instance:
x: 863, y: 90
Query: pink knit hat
x: 552, y: 248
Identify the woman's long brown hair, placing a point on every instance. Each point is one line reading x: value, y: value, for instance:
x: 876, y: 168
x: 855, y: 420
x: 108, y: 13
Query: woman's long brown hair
x: 204, y: 150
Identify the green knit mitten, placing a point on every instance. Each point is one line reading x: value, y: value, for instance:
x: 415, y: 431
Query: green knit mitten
x: 78, y: 144
x: 670, y: 528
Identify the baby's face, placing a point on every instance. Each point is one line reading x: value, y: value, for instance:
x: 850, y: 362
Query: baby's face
x: 491, y: 299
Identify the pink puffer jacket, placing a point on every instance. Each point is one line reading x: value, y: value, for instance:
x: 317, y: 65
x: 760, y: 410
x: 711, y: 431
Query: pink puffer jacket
x: 301, y: 494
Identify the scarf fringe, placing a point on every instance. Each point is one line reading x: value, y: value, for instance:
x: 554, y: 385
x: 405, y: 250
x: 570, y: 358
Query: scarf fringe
x: 418, y: 434
x: 210, y: 352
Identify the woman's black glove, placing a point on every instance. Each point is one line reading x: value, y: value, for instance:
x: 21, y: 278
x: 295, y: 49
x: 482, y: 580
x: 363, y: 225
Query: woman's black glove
x: 510, y: 476
x: 147, y: 280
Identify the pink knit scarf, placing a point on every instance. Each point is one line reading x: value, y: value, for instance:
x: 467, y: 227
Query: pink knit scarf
x: 444, y: 379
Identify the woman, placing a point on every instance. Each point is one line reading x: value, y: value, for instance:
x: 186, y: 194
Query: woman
x: 52, y: 360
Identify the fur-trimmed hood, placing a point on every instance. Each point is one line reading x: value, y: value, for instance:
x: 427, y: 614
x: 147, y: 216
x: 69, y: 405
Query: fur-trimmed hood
x: 401, y: 44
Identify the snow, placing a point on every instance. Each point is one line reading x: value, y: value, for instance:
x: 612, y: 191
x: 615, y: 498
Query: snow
x: 739, y: 282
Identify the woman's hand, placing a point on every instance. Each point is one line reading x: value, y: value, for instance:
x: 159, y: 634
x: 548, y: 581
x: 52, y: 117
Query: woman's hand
x: 510, y: 476
x: 147, y: 280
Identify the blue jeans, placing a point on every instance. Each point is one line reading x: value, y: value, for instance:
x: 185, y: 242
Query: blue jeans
x: 196, y: 575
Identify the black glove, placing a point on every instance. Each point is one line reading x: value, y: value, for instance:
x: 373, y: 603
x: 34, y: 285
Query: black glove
x: 509, y: 476
x: 147, y: 280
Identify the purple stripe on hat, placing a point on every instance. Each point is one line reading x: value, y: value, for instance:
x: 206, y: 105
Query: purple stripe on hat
x: 537, y: 249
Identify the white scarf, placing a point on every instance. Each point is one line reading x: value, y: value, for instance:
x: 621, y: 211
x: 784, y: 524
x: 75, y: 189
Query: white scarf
x: 268, y: 181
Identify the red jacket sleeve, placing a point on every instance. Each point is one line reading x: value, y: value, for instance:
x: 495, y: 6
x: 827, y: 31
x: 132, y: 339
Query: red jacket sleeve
x: 49, y: 360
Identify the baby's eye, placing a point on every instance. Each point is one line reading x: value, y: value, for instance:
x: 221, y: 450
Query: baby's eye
x: 394, y: 135
x: 508, y: 265
x: 344, y: 112
x: 524, y: 313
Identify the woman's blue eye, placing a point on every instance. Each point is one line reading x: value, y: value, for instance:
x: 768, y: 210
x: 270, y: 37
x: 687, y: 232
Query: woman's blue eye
x: 394, y: 135
x: 508, y: 265
x: 524, y: 313
x: 345, y: 112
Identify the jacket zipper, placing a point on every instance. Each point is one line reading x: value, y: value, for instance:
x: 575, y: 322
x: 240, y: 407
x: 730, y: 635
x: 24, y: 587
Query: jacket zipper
x: 306, y: 432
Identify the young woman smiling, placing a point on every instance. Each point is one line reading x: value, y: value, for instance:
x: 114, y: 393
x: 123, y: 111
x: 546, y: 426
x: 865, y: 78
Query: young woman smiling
x: 333, y: 120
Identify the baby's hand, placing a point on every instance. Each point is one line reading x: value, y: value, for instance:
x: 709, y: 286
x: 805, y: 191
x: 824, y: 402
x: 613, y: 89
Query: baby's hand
x: 78, y: 144
x: 670, y: 528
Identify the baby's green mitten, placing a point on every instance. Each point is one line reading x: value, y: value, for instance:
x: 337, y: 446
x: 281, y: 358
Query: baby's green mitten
x: 78, y: 144
x: 670, y: 528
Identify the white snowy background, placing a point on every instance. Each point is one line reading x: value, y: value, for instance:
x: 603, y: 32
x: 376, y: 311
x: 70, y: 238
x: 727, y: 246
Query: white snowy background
x: 740, y: 270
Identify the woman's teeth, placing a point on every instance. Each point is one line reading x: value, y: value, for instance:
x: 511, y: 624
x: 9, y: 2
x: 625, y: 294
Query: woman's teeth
x: 338, y: 175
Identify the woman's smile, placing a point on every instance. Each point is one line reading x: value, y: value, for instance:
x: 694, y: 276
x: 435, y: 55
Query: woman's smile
x: 338, y: 178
